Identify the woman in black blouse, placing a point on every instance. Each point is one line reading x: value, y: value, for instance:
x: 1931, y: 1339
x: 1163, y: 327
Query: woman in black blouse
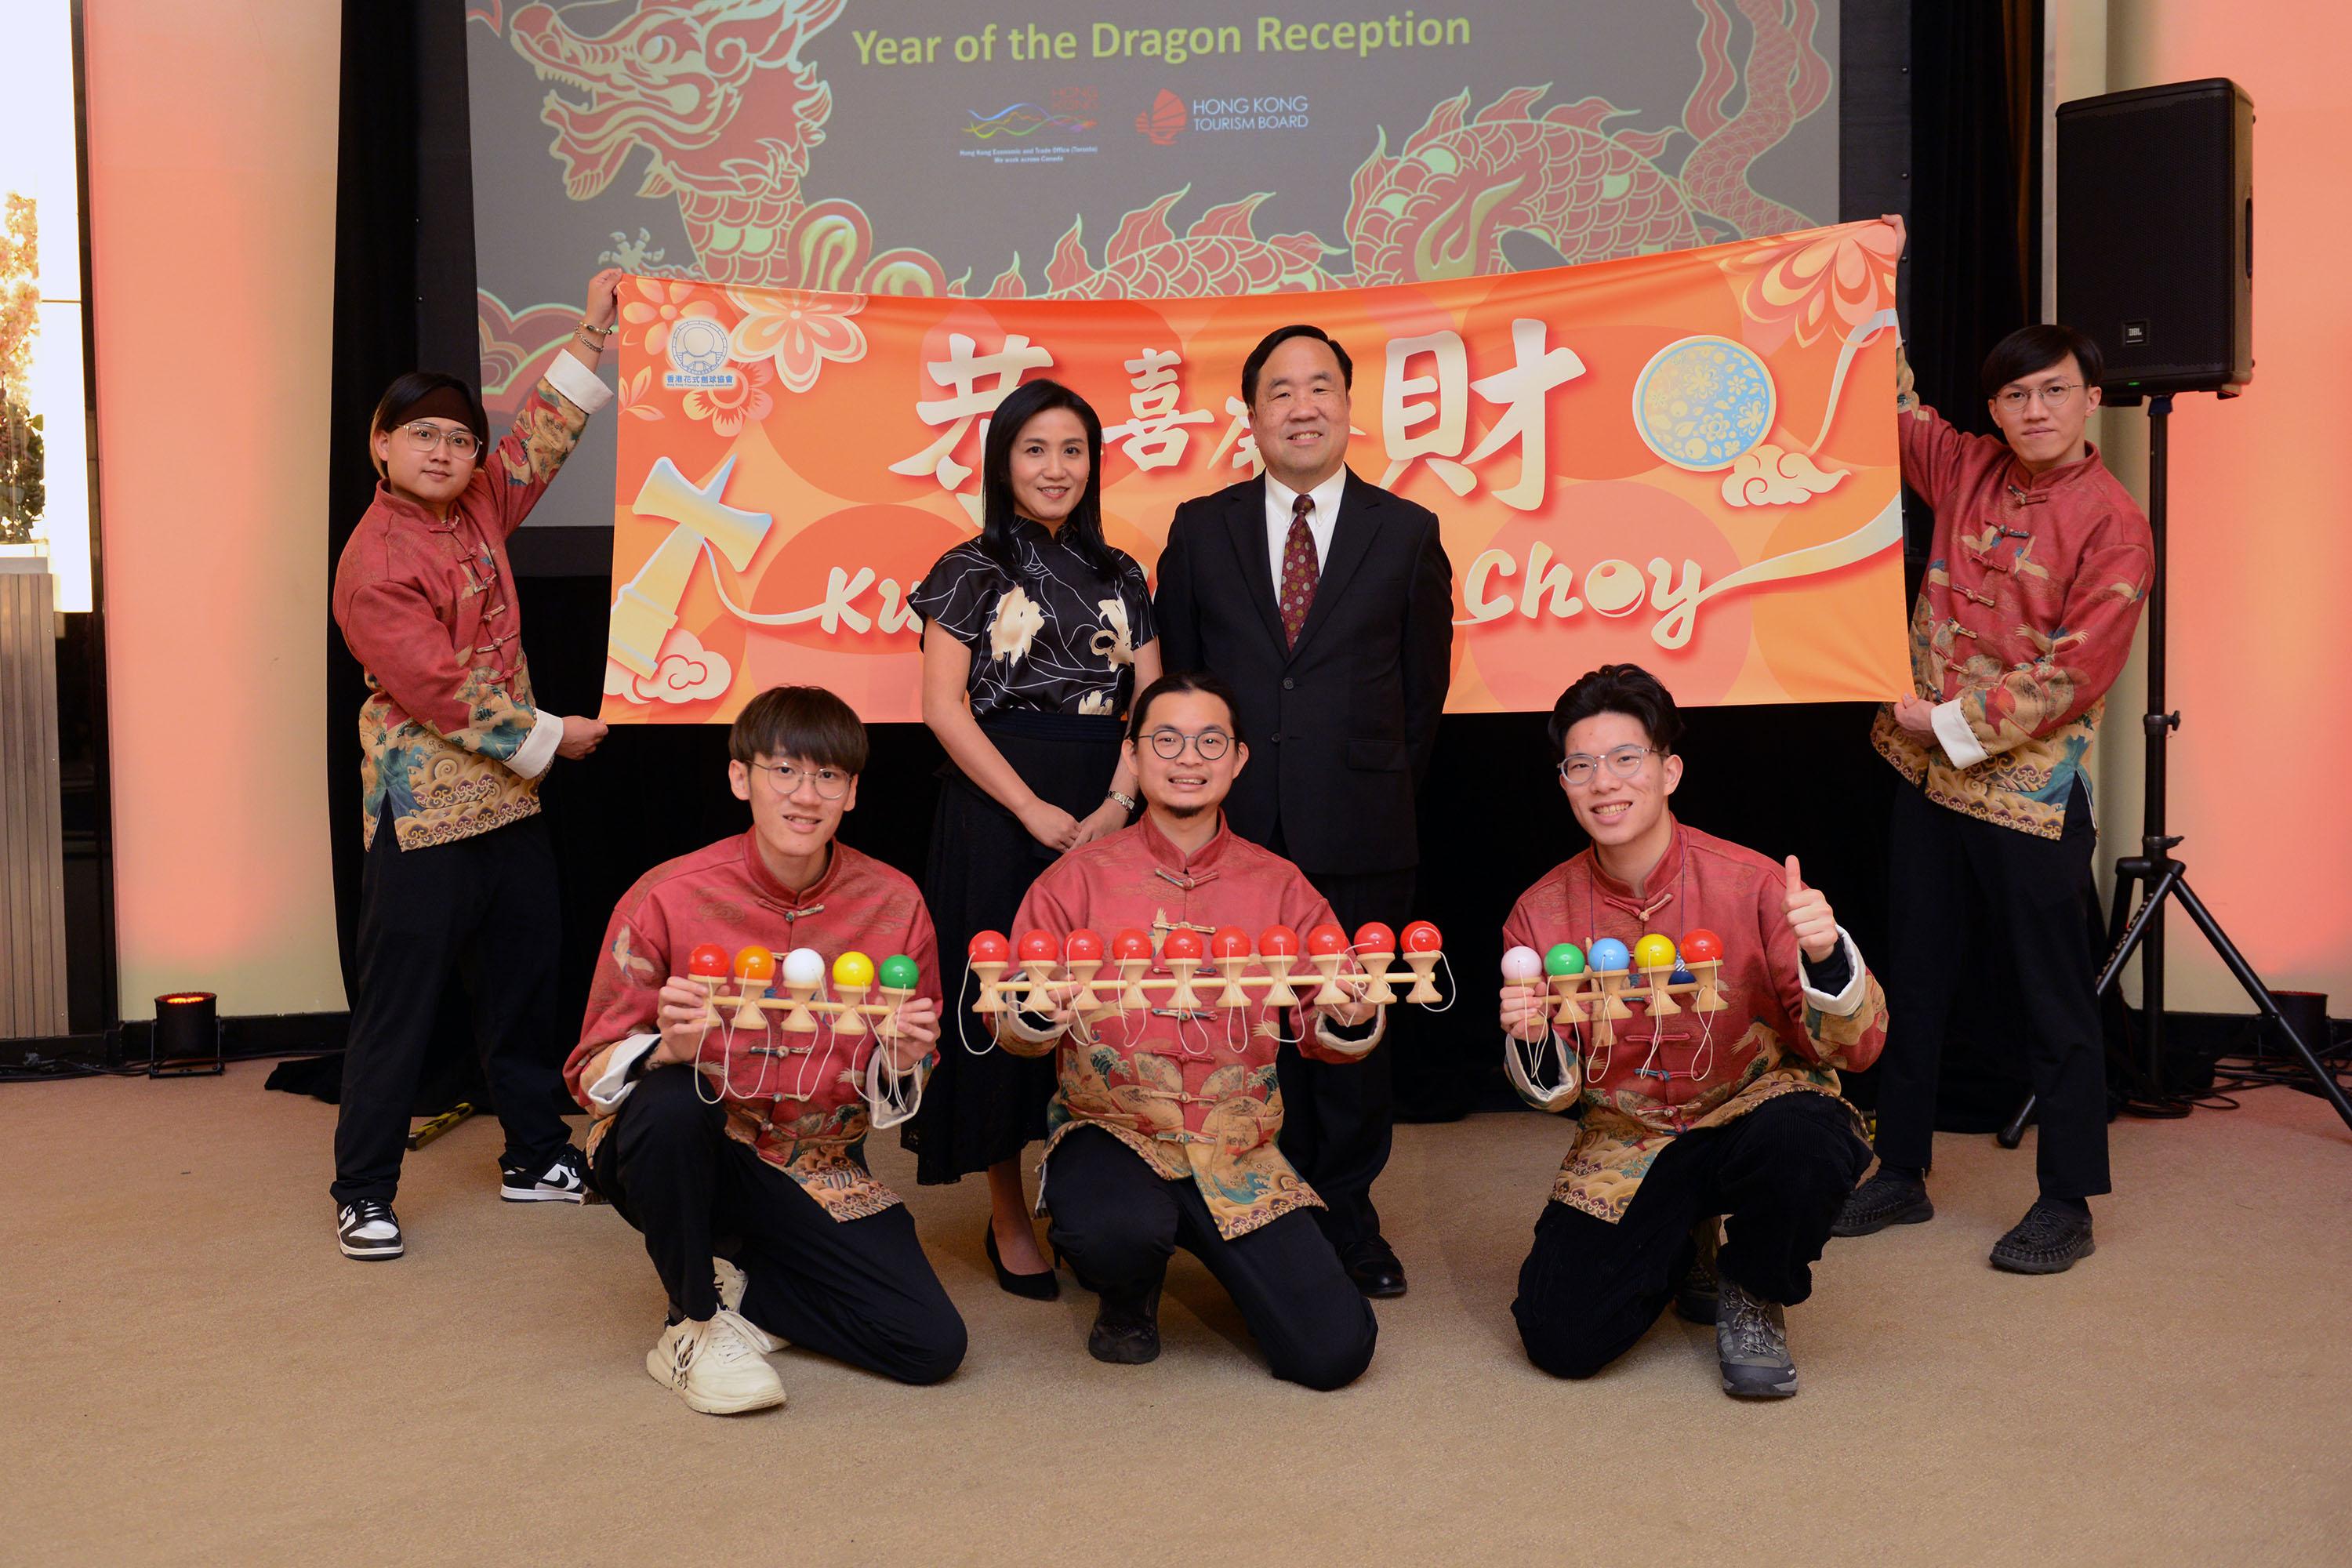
x: 1037, y: 636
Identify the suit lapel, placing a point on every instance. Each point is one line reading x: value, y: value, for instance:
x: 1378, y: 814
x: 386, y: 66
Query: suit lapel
x: 1352, y: 542
x: 1245, y: 530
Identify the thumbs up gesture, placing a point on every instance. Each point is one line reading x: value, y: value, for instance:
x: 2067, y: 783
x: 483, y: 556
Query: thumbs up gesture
x: 1809, y: 916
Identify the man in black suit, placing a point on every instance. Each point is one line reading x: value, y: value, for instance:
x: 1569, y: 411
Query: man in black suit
x: 1327, y: 604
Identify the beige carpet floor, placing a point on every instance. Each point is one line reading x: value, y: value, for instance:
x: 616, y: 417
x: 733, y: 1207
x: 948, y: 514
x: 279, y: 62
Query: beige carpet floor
x: 194, y: 1375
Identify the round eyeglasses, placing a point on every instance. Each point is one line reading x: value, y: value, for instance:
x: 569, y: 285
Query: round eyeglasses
x: 831, y: 783
x: 423, y: 438
x: 2054, y: 396
x: 1577, y: 768
x: 1168, y: 743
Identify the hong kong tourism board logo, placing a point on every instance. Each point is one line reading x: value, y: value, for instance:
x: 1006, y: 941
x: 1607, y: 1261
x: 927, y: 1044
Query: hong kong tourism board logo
x: 698, y: 354
x: 1171, y: 116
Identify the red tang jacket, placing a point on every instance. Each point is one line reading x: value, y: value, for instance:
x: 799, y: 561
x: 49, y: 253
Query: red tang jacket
x: 1667, y: 1076
x: 797, y: 1099
x: 450, y: 735
x: 2033, y: 589
x: 1194, y: 1097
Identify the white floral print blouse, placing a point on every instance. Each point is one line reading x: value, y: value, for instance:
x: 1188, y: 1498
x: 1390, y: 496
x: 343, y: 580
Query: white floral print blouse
x: 1052, y: 637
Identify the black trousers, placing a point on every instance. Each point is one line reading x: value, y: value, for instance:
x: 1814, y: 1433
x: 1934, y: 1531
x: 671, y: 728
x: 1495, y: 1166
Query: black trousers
x: 860, y: 1291
x: 1339, y: 1120
x: 979, y: 1110
x: 1118, y: 1222
x: 1590, y: 1290
x: 485, y: 909
x: 1975, y: 903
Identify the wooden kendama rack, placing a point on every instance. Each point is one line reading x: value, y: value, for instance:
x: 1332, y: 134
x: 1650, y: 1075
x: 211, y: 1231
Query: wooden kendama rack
x: 753, y: 971
x: 1222, y: 971
x: 1597, y: 988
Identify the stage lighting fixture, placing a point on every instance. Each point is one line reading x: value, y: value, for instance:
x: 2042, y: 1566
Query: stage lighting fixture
x: 187, y: 1038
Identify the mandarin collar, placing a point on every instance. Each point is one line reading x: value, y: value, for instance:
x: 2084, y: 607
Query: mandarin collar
x: 774, y: 891
x: 2065, y: 473
x: 407, y: 510
x: 1164, y: 851
x: 1610, y: 887
x: 1035, y: 532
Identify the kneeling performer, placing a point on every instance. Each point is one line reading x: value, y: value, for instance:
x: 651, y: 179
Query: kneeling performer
x: 1162, y: 1132
x: 1706, y: 1063
x: 723, y: 1112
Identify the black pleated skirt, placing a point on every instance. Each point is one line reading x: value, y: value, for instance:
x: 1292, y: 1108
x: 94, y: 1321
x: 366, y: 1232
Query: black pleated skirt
x: 979, y: 1110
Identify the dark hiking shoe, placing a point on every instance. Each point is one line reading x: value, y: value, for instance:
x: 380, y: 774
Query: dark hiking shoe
x: 2046, y: 1241
x: 1882, y: 1201
x: 1126, y: 1333
x: 1751, y: 1343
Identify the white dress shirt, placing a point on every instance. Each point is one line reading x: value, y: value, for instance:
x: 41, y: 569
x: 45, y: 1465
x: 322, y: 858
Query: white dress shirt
x: 1320, y: 522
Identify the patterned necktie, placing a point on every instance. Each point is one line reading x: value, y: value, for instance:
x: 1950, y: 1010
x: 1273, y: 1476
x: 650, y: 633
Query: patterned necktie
x: 1298, y: 570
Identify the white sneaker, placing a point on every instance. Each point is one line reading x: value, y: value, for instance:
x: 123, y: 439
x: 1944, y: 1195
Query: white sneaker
x: 731, y: 1282
x: 713, y: 1367
x: 368, y: 1231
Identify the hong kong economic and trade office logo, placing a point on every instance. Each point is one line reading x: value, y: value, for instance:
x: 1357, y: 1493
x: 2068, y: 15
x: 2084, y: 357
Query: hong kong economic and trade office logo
x: 698, y: 353
x: 1171, y: 116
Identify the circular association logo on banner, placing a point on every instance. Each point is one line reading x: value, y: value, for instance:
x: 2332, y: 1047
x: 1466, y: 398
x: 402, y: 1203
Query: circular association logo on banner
x: 698, y: 346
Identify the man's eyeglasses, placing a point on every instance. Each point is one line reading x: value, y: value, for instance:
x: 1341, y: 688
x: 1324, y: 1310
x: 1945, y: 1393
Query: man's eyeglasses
x: 1168, y: 743
x: 2054, y: 396
x: 1578, y: 767
x: 423, y: 438
x: 831, y: 783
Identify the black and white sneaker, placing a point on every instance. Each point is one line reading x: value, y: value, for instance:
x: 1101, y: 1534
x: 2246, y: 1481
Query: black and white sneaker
x: 368, y: 1231
x: 564, y: 1182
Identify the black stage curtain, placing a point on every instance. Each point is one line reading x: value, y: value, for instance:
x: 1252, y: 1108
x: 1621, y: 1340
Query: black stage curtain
x: 404, y: 299
x: 1802, y: 779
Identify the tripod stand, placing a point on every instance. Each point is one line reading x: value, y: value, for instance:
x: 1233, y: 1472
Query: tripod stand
x: 2158, y: 875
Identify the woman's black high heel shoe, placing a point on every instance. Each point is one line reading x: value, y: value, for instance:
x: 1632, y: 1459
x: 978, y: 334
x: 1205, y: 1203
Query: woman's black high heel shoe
x: 1030, y: 1286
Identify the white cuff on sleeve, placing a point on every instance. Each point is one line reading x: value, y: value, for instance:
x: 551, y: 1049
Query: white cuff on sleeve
x: 533, y: 757
x: 1846, y: 1002
x: 578, y: 383
x: 1357, y: 1049
x: 1961, y: 744
x: 613, y: 1086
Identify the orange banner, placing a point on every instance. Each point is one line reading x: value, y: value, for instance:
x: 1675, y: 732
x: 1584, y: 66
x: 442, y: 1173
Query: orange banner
x: 1685, y: 460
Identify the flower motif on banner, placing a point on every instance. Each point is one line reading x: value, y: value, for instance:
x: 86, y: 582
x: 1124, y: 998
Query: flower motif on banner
x: 1771, y: 477
x: 651, y: 306
x: 1703, y: 402
x: 797, y: 333
x: 1835, y: 282
x: 634, y: 402
x: 727, y: 409
x: 684, y: 672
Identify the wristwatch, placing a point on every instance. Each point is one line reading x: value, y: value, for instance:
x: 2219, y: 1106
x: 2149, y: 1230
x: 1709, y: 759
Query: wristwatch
x: 1127, y: 802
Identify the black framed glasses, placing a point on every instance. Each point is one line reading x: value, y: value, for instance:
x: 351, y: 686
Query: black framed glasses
x: 1578, y: 768
x: 1168, y: 743
x: 831, y: 783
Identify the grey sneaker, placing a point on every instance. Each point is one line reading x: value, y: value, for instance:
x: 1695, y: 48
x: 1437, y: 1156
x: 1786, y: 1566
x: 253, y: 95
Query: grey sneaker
x: 2046, y: 1241
x: 1882, y: 1201
x: 1752, y: 1341
x: 1695, y: 1296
